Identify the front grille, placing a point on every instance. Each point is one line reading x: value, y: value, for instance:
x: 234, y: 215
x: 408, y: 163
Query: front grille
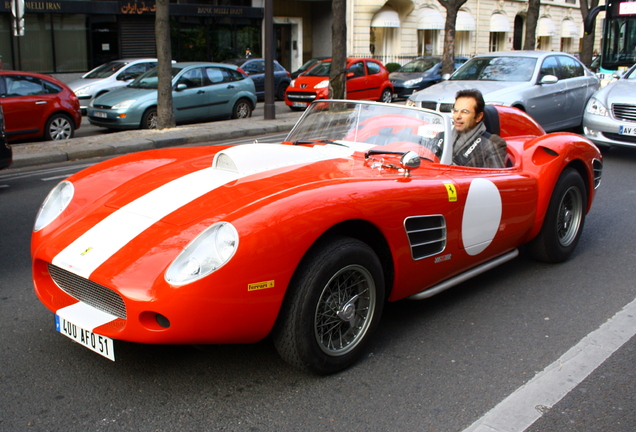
x: 89, y: 292
x: 300, y: 96
x: 103, y: 120
x: 618, y: 137
x: 432, y: 105
x: 624, y: 112
x: 100, y: 106
x: 426, y: 234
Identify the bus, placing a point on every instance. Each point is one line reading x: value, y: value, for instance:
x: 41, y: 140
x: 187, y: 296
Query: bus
x: 618, y: 51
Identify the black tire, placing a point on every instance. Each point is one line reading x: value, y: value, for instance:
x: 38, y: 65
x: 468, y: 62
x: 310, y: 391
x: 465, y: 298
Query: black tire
x: 387, y: 96
x: 242, y: 109
x: 149, y: 119
x: 280, y: 92
x: 337, y: 291
x: 564, y: 220
x: 59, y: 127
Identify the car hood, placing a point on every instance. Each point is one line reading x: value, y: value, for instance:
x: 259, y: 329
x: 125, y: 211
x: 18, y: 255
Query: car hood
x: 174, y: 192
x: 405, y: 76
x: 493, y: 91
x: 621, y: 91
x: 125, y: 93
x: 84, y: 82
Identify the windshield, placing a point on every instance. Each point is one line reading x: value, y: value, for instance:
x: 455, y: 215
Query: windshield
x: 496, y: 69
x: 150, y: 79
x: 421, y: 65
x: 320, y: 70
x: 105, y: 70
x: 371, y: 126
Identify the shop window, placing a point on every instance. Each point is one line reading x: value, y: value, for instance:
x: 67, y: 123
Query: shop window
x: 71, y: 50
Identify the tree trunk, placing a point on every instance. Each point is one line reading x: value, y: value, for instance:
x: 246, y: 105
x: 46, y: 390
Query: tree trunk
x: 448, y: 58
x: 165, y: 112
x: 587, y: 46
x: 532, y: 18
x: 337, y: 75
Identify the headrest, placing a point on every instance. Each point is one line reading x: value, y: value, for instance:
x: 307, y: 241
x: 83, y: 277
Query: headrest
x: 491, y: 119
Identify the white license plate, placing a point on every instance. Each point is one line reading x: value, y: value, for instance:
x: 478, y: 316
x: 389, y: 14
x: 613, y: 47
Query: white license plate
x: 93, y: 341
x: 100, y: 114
x: 627, y: 130
x: 299, y: 104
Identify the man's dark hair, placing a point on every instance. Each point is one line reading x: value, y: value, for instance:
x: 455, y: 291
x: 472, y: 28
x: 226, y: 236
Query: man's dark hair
x: 475, y: 94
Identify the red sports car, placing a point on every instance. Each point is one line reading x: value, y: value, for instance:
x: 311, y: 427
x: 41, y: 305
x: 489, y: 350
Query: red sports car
x: 367, y: 79
x: 304, y: 240
x: 38, y: 106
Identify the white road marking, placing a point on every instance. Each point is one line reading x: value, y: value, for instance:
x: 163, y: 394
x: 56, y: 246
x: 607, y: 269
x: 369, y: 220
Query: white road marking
x: 529, y: 402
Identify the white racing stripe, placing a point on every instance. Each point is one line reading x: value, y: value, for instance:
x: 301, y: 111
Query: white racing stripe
x: 529, y: 402
x: 100, y: 242
x: 103, y: 240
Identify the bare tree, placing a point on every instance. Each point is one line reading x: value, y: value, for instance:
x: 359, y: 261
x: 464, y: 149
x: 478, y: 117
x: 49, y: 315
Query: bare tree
x: 448, y: 58
x: 587, y: 46
x: 532, y: 18
x: 165, y: 113
x: 337, y: 75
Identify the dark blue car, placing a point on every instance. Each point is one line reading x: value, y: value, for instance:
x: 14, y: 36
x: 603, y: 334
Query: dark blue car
x: 255, y: 68
x: 419, y: 74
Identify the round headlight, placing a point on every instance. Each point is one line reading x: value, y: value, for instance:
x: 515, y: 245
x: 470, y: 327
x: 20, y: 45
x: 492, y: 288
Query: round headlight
x: 54, y: 204
x: 205, y: 254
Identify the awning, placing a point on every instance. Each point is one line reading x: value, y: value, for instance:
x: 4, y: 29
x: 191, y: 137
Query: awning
x: 429, y: 19
x: 546, y: 27
x: 386, y: 17
x: 570, y: 30
x: 499, y: 23
x: 464, y: 22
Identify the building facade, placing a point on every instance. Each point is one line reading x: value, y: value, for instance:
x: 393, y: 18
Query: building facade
x: 69, y: 36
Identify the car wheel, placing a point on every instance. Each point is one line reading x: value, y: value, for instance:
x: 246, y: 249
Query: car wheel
x: 564, y: 220
x: 333, y: 304
x: 242, y: 109
x: 387, y: 96
x: 149, y: 119
x: 58, y: 127
x: 280, y: 93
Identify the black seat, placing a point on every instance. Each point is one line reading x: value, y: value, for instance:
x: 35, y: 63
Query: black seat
x: 491, y: 119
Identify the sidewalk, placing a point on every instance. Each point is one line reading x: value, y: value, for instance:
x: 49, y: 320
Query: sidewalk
x: 29, y: 154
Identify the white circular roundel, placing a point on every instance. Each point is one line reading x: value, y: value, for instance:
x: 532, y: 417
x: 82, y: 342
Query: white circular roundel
x: 482, y: 216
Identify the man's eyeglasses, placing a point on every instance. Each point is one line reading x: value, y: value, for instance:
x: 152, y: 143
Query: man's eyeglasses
x: 464, y: 111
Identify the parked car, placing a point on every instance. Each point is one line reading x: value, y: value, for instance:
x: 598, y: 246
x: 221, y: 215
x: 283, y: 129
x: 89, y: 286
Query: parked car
x: 255, y: 68
x: 200, y: 91
x: 610, y: 116
x: 38, y: 106
x: 6, y: 153
x: 418, y: 74
x: 552, y: 87
x: 307, y: 65
x: 107, y: 77
x: 366, y: 79
x: 304, y: 240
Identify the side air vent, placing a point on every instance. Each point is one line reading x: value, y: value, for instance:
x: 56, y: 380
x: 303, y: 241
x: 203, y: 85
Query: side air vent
x: 426, y: 234
x: 597, y: 165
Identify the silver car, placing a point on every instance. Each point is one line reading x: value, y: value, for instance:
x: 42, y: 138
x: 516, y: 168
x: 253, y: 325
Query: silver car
x: 610, y: 116
x: 552, y: 87
x: 107, y: 77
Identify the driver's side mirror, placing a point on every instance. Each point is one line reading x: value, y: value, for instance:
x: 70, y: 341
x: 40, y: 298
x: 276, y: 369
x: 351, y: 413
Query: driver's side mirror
x: 350, y: 75
x: 445, y: 77
x: 410, y: 160
x: 181, y: 87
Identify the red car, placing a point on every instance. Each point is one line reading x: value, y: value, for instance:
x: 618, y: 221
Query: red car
x: 38, y: 106
x: 367, y: 79
x: 305, y: 240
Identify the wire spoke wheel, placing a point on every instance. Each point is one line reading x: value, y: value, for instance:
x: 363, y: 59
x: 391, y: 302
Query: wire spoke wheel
x: 345, y: 310
x: 570, y: 216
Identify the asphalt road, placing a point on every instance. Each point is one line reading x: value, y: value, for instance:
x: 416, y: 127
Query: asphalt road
x: 435, y: 365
